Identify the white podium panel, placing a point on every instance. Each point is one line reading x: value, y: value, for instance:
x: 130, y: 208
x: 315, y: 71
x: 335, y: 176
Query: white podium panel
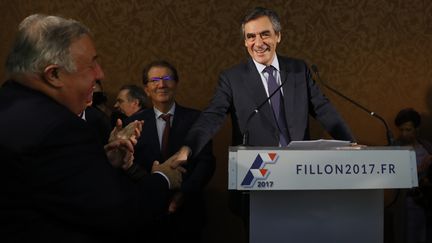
x: 323, y: 195
x: 282, y: 169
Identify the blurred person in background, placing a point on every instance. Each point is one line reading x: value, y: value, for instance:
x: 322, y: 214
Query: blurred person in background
x: 417, y: 201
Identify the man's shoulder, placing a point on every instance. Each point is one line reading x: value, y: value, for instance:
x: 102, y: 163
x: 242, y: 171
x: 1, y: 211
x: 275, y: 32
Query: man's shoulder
x: 288, y: 59
x: 30, y: 105
x: 291, y: 64
x: 143, y: 114
x: 186, y: 111
x: 243, y: 66
x: 30, y: 116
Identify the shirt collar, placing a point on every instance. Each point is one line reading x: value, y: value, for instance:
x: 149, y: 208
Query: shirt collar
x: 171, y: 111
x: 260, y: 67
x: 83, y: 115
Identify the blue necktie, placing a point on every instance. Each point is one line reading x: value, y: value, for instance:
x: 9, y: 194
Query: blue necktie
x: 276, y: 102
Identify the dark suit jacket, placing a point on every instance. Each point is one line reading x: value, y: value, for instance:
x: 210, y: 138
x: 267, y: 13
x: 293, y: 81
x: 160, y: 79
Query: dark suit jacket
x: 147, y: 150
x: 56, y: 183
x: 186, y: 223
x: 99, y: 122
x: 240, y: 91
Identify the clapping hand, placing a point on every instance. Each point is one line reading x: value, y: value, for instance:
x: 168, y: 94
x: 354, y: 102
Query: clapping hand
x: 131, y: 131
x: 120, y: 153
x: 120, y: 147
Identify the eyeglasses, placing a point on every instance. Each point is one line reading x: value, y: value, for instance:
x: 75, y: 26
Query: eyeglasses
x: 155, y: 80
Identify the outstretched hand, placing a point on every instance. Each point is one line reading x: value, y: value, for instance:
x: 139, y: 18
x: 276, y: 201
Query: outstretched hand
x: 174, y: 174
x: 172, y: 167
x: 179, y: 158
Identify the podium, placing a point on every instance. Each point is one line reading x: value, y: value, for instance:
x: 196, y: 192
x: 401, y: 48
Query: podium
x: 331, y: 195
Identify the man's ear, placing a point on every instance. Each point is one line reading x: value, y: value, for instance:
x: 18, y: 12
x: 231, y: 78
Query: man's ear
x: 135, y: 102
x: 146, y: 90
x: 51, y: 75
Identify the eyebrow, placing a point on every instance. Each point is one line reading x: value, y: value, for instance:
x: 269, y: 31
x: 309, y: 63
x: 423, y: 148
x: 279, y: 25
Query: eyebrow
x: 251, y: 34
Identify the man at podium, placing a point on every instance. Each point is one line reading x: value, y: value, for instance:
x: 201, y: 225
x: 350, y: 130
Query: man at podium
x: 269, y: 97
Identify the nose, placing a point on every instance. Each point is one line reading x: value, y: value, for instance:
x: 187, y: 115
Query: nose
x: 162, y: 83
x: 258, y: 40
x: 99, y: 74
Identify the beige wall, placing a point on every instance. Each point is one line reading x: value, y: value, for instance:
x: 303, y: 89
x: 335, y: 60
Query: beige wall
x: 377, y: 52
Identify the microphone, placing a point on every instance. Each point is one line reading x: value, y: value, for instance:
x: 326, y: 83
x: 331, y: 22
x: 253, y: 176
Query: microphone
x: 245, y: 141
x: 389, y: 134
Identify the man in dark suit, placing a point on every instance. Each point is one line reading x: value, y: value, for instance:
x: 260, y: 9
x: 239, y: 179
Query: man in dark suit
x: 57, y: 181
x: 164, y: 129
x: 99, y: 122
x: 244, y: 87
x: 97, y: 114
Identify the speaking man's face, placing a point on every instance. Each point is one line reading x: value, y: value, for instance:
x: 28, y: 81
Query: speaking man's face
x: 261, y: 40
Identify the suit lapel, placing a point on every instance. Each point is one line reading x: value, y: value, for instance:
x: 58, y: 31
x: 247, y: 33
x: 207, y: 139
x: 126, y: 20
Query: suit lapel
x: 151, y: 130
x: 288, y: 90
x: 178, y: 124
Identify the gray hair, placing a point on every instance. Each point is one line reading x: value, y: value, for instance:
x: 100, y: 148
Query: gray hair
x: 43, y: 40
x: 260, y: 12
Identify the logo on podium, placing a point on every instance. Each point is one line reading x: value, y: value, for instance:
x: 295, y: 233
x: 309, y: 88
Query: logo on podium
x: 257, y: 170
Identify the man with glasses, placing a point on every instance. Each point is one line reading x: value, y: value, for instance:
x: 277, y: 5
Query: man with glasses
x: 244, y: 87
x: 165, y: 127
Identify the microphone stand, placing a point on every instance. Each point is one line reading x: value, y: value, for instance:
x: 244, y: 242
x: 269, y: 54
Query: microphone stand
x: 245, y: 140
x: 389, y: 134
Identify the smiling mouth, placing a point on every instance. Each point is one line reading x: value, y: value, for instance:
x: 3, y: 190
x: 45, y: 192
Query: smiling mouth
x: 261, y: 50
x: 162, y: 91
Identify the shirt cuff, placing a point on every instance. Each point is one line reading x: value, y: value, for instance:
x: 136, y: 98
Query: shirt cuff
x: 166, y: 178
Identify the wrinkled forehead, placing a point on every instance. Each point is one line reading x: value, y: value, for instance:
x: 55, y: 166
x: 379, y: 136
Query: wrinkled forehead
x: 259, y: 25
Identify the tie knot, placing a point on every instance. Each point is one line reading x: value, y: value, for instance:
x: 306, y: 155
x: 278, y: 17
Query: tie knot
x: 165, y: 117
x: 269, y: 69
